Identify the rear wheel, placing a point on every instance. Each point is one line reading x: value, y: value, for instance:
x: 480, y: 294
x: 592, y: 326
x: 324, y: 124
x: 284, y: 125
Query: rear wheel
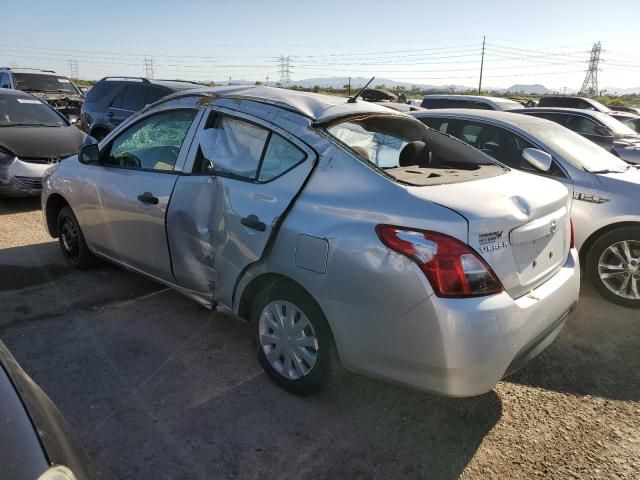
x: 72, y: 243
x: 613, y: 266
x: 293, y: 339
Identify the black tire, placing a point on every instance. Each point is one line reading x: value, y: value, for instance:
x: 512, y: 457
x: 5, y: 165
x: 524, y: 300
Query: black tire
x: 595, y: 253
x: 327, y: 366
x: 71, y: 240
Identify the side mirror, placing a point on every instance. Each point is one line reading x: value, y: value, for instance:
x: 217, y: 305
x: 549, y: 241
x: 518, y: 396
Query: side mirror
x: 538, y: 159
x: 89, y: 154
x: 73, y: 119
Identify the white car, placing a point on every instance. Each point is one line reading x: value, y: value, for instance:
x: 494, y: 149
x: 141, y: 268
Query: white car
x: 605, y: 190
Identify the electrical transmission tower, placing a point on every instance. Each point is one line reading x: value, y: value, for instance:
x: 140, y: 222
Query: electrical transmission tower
x: 590, y: 84
x: 73, y: 68
x: 148, y: 67
x: 285, y: 71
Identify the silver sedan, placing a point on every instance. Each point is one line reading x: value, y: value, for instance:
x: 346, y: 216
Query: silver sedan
x: 605, y: 190
x: 345, y: 232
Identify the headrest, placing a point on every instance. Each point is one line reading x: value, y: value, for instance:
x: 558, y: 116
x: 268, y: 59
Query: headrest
x: 414, y: 153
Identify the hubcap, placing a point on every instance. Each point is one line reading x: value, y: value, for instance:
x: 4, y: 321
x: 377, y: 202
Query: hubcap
x: 288, y: 339
x: 69, y: 236
x: 619, y: 269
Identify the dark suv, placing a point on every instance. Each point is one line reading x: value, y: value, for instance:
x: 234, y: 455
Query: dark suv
x: 114, y: 99
x: 573, y: 102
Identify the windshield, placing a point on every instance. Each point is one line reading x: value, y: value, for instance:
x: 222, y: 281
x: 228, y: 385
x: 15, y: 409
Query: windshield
x: 21, y: 111
x: 619, y: 129
x: 37, y: 82
x: 576, y: 149
x: 410, y: 152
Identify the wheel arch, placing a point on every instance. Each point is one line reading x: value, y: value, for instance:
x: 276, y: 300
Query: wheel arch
x: 588, y: 243
x: 54, y: 204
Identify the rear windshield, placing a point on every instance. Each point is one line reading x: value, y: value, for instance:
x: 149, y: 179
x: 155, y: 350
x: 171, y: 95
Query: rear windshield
x: 412, y: 153
x: 27, y: 112
x: 37, y: 82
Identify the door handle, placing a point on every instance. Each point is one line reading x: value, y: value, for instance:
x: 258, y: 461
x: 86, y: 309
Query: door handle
x: 253, y: 222
x: 147, y: 197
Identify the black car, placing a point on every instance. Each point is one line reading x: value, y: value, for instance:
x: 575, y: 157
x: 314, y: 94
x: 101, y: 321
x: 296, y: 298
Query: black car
x: 114, y: 99
x: 598, y: 127
x: 33, y: 136
x: 582, y: 103
x: 35, y: 439
x: 55, y: 89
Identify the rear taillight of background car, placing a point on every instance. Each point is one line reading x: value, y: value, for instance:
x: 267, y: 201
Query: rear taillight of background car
x: 451, y: 266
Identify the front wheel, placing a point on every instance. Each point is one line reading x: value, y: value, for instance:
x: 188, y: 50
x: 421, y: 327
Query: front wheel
x: 72, y: 243
x: 613, y: 266
x: 293, y: 338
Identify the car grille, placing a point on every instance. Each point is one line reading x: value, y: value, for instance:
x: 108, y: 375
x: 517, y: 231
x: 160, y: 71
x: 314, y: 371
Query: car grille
x: 29, y: 182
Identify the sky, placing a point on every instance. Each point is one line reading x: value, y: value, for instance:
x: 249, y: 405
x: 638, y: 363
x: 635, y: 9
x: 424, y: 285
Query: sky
x: 425, y: 42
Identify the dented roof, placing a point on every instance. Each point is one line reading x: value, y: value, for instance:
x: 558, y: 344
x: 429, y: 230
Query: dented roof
x: 319, y: 108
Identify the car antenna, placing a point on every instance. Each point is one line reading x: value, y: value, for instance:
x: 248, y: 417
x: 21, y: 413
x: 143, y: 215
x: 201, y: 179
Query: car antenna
x: 354, y: 98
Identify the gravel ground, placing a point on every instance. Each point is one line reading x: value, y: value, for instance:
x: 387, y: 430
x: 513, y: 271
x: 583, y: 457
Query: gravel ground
x: 157, y: 387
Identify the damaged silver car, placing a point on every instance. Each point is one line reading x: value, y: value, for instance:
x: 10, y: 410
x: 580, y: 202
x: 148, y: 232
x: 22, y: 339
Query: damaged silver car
x: 345, y: 232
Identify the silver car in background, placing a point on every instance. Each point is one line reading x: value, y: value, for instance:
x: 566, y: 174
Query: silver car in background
x: 341, y: 230
x: 605, y: 190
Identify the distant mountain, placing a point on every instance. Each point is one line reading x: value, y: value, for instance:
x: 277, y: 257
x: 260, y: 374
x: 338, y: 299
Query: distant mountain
x: 536, y: 89
x: 621, y: 91
x: 340, y: 82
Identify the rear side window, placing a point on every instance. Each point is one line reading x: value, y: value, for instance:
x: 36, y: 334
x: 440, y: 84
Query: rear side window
x: 434, y: 103
x: 134, y: 97
x: 582, y: 125
x: 239, y: 149
x: 100, y: 90
x: 439, y: 124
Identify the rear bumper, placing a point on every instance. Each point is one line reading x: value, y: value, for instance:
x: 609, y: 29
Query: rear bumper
x: 463, y: 347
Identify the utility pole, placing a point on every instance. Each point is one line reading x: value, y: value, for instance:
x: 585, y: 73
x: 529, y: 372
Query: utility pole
x: 481, y: 64
x: 73, y: 68
x: 349, y: 86
x: 590, y: 84
x: 148, y: 67
x: 267, y: 80
x: 285, y: 71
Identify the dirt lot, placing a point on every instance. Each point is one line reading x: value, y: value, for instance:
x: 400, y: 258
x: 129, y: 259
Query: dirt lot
x: 159, y: 388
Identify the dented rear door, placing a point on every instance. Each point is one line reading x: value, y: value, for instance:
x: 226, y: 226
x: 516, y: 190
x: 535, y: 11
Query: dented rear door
x: 246, y: 175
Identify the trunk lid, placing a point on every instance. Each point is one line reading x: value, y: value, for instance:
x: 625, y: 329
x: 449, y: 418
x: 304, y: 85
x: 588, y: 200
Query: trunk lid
x: 517, y: 222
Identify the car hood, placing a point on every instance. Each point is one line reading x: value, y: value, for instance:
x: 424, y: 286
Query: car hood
x: 41, y: 142
x: 58, y: 96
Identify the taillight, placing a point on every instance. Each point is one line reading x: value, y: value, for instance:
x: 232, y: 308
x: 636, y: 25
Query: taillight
x: 573, y: 235
x: 451, y: 266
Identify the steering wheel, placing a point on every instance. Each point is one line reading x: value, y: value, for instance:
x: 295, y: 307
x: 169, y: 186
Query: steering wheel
x: 126, y: 159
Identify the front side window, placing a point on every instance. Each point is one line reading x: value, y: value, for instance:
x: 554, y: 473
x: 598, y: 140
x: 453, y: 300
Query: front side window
x: 153, y: 143
x: 239, y: 149
x: 582, y: 125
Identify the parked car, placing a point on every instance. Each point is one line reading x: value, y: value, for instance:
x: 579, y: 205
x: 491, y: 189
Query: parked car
x: 604, y: 189
x: 600, y: 128
x: 114, y: 99
x: 55, y: 89
x: 35, y: 439
x: 620, y: 108
x: 469, y: 101
x: 33, y: 136
x: 582, y: 103
x: 629, y: 119
x: 401, y: 107
x: 328, y: 224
